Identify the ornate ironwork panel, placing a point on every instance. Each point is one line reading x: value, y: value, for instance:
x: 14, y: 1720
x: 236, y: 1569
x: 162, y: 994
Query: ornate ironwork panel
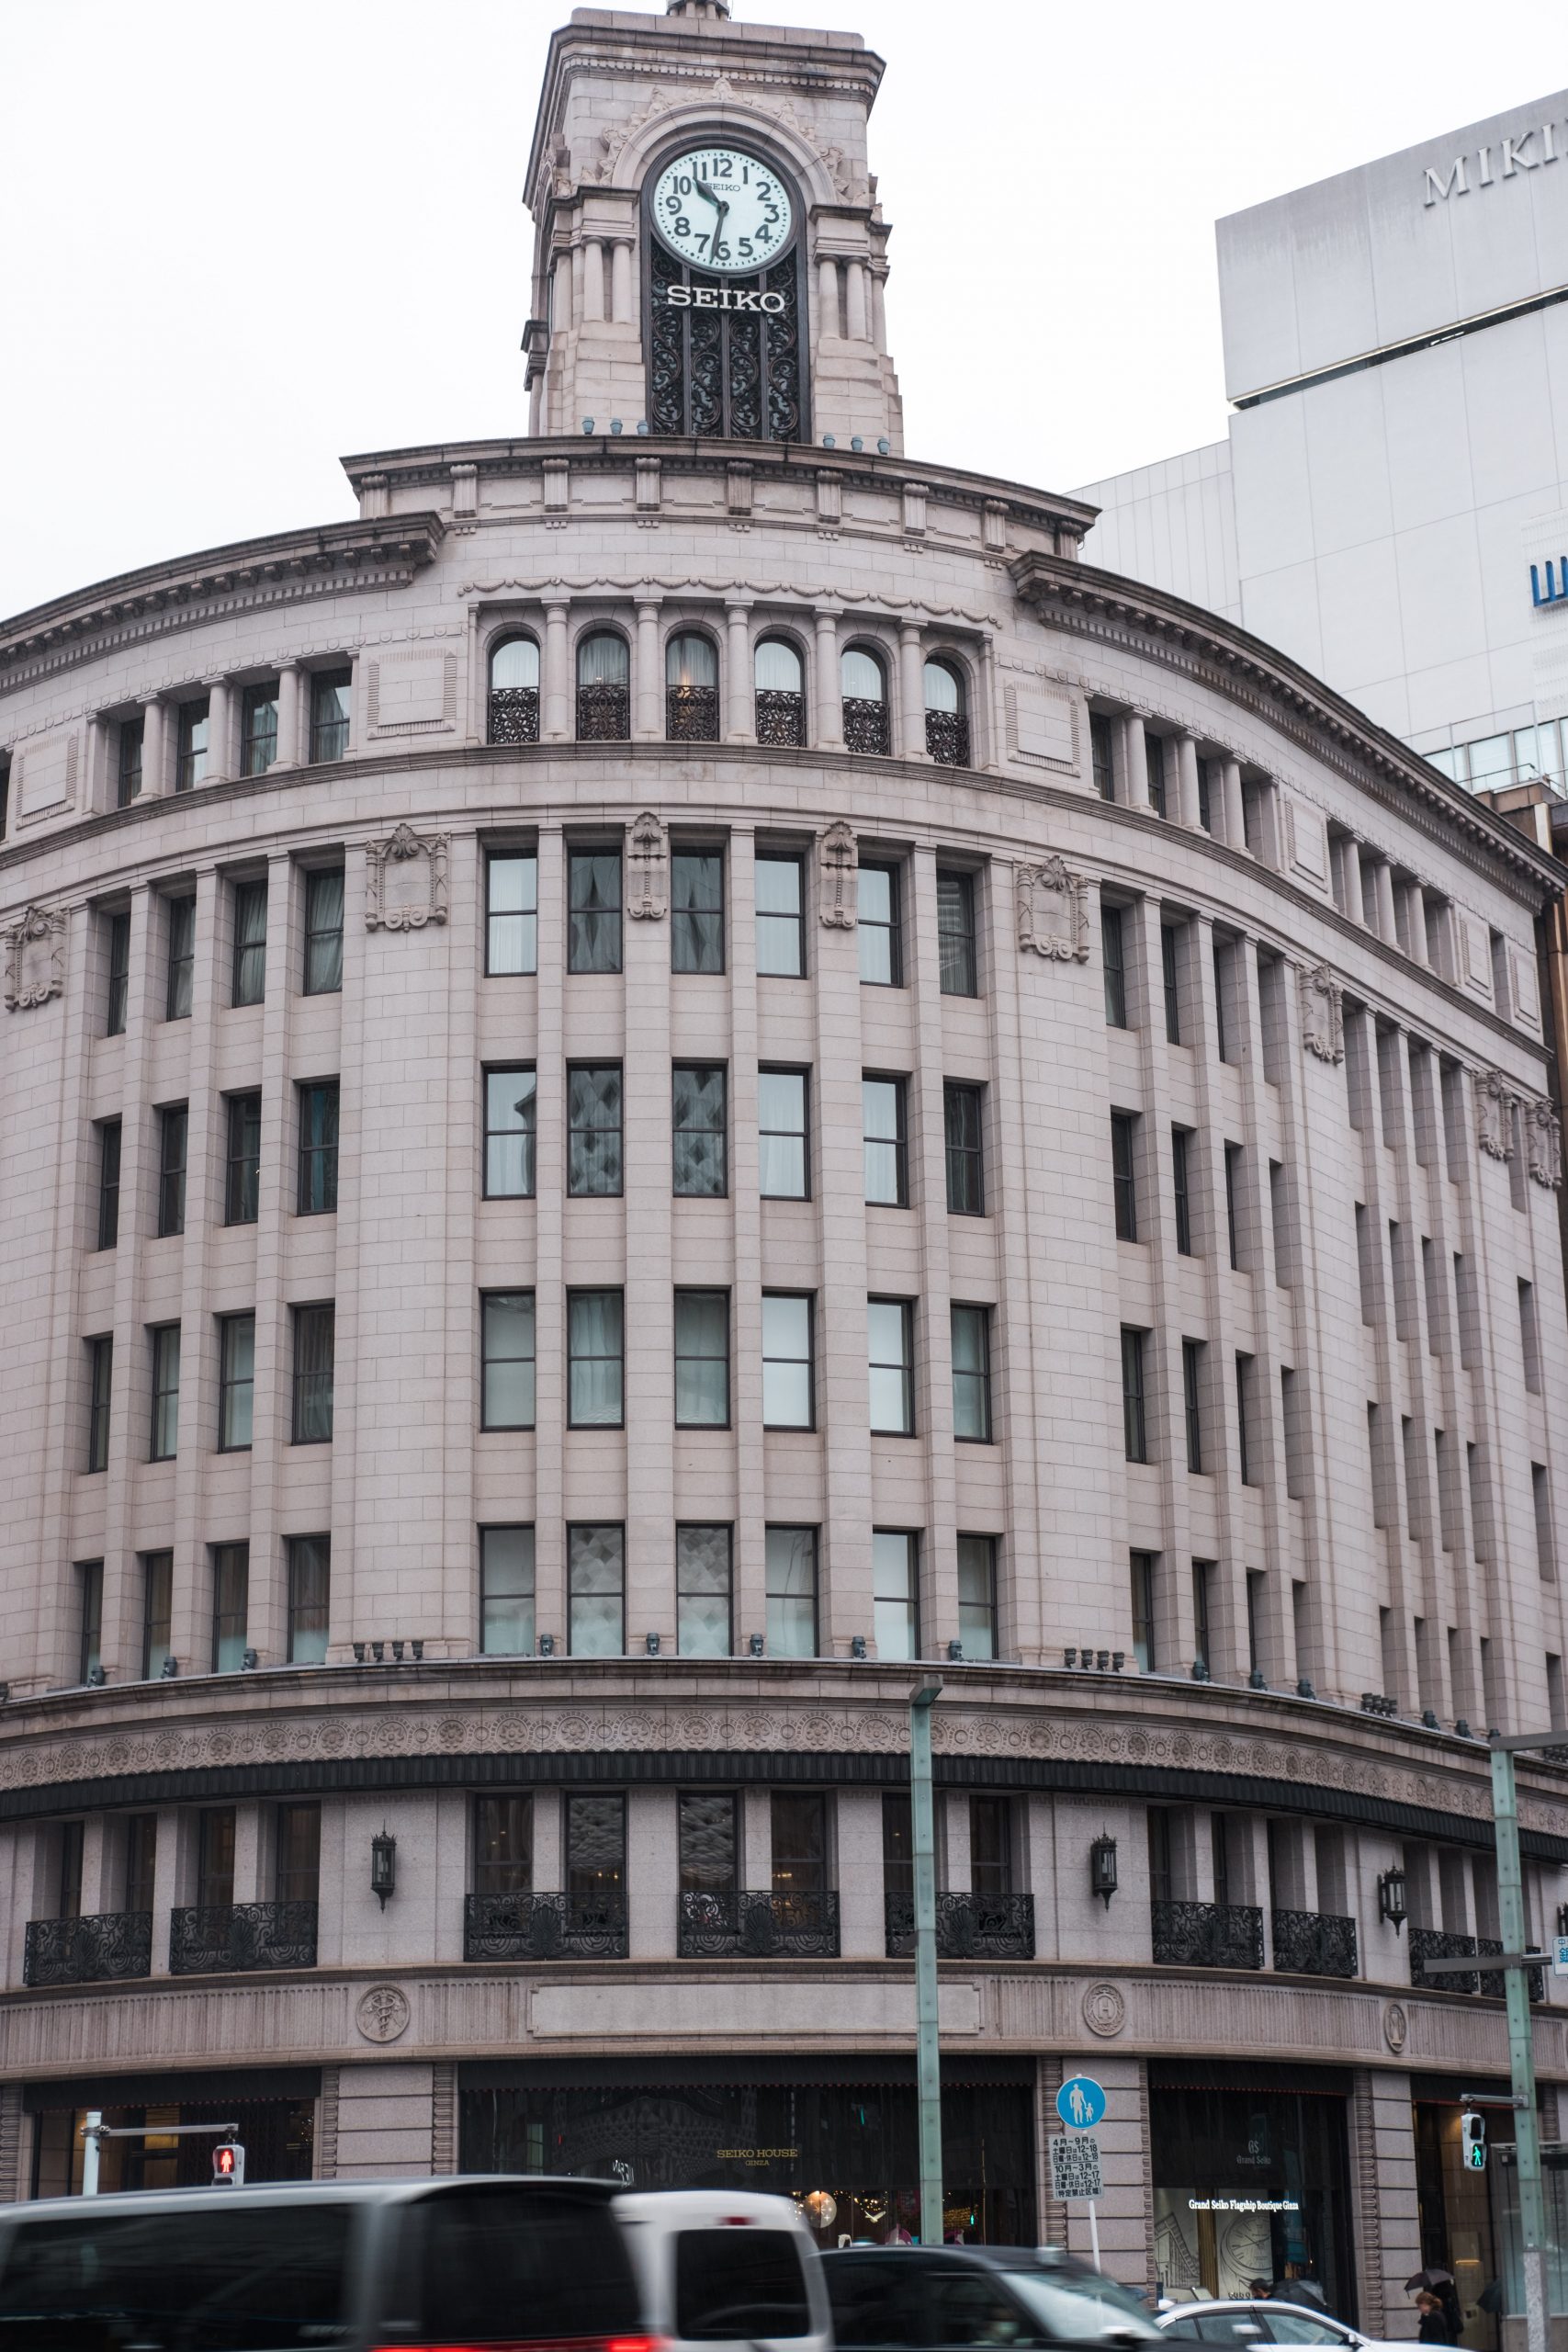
x: 514, y: 715
x: 604, y: 714
x: 88, y: 1951
x: 947, y: 737
x: 732, y: 373
x: 691, y: 713
x: 968, y: 1926
x: 231, y: 1939
x: 543, y: 1927
x: 1441, y: 1943
x: 759, y: 1926
x: 866, y: 727
x: 1314, y: 1943
x: 1208, y: 1935
x: 780, y: 717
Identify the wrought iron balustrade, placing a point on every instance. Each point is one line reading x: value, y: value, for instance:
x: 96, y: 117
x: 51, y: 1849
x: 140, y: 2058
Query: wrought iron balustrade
x: 780, y: 717
x: 968, y: 1926
x: 865, y: 726
x: 231, y: 1939
x: 1314, y: 1943
x: 1208, y: 1935
x: 543, y: 1927
x: 691, y: 713
x: 106, y: 1945
x: 1441, y: 1943
x: 604, y: 714
x: 759, y: 1926
x: 947, y: 737
x: 514, y: 715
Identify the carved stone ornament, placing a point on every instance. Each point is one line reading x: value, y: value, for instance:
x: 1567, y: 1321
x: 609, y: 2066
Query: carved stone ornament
x: 35, y: 958
x: 838, y: 862
x: 1543, y: 1143
x: 405, y: 881
x: 383, y: 2013
x: 1396, y: 2025
x: 647, y: 870
x: 1104, y: 2010
x: 1495, y: 1100
x: 1053, y: 912
x: 1323, y: 1015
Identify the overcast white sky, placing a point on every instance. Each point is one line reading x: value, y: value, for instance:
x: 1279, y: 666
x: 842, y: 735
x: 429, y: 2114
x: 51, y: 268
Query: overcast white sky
x: 241, y: 241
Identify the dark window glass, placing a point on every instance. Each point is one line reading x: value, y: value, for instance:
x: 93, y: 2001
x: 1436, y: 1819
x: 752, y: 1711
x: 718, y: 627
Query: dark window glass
x: 593, y: 911
x: 215, y: 1851
x: 309, y: 1596
x: 703, y: 1579
x: 895, y: 1592
x: 791, y: 1560
x: 1233, y: 1172
x: 1172, y: 989
x: 956, y: 957
x: 603, y: 688
x: 1191, y: 1402
x: 511, y: 912
x: 1200, y: 1584
x: 1110, y: 943
x: 708, y: 1846
x: 182, y: 958
x: 258, y: 729
x: 1243, y: 1384
x: 595, y: 1847
x: 697, y: 910
x: 323, y: 930
x: 1223, y: 970
x: 978, y: 1596
x: 593, y: 1127
x: 195, y: 735
x: 700, y: 1123
x: 318, y: 1148
x: 972, y: 1374
x: 1143, y: 1579
x: 296, y: 1853
x: 506, y: 1591
x: 963, y: 1113
x: 141, y: 1860
x: 781, y: 917
x: 90, y: 1597
x: 731, y: 2279
x: 236, y: 1381
x: 1135, y: 1429
x: 242, y: 1178
x: 131, y: 743
x: 120, y: 975
x: 990, y: 1845
x: 890, y: 1331
x: 506, y: 1343
x: 330, y: 692
x: 173, y: 1137
x: 786, y: 1360
x: 509, y: 1134
x: 250, y: 943
x: 165, y: 1435
x: 514, y: 713
x: 1180, y: 1168
x: 595, y: 1353
x: 881, y: 960
x: 230, y: 1613
x: 596, y: 1590
x: 504, y: 1845
x: 100, y: 1376
x: 68, y: 1903
x: 885, y: 1142
x: 782, y: 1142
x: 1154, y: 753
x: 1208, y: 783
x: 798, y: 1819
x: 701, y: 1359
x: 1124, y: 1176
x: 1103, y: 754
x: 315, y: 1347
x: 108, y: 1182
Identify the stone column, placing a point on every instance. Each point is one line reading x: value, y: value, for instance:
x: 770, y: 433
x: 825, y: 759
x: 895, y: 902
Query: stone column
x: 557, y: 696
x: 648, y: 724
x: 290, y: 704
x: 1382, y: 882
x: 1134, y: 792
x: 828, y: 698
x: 911, y: 693
x: 738, y: 656
x: 827, y: 294
x: 1187, y: 781
x: 855, y: 302
x: 593, y: 281
x: 220, y: 760
x: 155, y: 750
x: 1235, y: 822
x: 621, y: 280
x: 579, y: 276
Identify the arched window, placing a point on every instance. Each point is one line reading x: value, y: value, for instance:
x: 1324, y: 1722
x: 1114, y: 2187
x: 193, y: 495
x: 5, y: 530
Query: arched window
x: 781, y: 692
x: 603, y: 688
x: 947, y: 723
x: 691, y: 689
x: 514, y: 691
x: 864, y: 683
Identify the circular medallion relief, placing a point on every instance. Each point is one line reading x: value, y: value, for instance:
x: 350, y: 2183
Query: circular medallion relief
x: 383, y: 2013
x: 1396, y: 2025
x: 1104, y: 2010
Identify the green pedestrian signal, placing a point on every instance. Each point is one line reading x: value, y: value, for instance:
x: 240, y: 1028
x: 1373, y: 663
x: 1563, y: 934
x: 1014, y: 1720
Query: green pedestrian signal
x: 1472, y: 2131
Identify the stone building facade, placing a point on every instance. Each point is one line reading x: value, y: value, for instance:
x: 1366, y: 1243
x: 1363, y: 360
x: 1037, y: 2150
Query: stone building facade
x: 674, y: 1080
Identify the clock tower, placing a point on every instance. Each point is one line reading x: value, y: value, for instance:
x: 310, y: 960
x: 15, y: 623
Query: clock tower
x: 709, y: 253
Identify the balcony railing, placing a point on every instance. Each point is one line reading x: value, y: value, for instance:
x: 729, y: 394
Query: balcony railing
x: 230, y: 1938
x: 691, y: 713
x: 968, y: 1926
x: 781, y: 717
x: 514, y: 715
x: 1314, y: 1943
x: 759, y: 1926
x: 1439, y: 1944
x: 947, y: 737
x: 604, y: 714
x: 865, y: 726
x: 88, y: 1951
x: 543, y: 1927
x: 1208, y: 1935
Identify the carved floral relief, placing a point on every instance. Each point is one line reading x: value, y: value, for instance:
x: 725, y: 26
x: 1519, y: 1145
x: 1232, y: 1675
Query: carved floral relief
x: 1053, y: 912
x: 838, y: 861
x: 405, y: 881
x: 1543, y: 1144
x: 1323, y: 1015
x: 647, y: 870
x: 1495, y: 1101
x: 35, y: 958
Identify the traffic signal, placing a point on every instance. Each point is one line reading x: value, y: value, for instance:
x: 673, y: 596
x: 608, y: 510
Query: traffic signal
x: 1472, y: 2131
x: 228, y: 2165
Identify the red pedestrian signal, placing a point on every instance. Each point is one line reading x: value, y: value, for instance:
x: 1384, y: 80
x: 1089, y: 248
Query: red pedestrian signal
x: 228, y: 2165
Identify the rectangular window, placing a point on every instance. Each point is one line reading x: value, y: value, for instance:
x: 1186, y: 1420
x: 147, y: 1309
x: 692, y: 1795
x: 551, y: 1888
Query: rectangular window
x: 1155, y: 760
x: 1162, y: 1873
x: 174, y: 1139
x: 1545, y: 1550
x: 242, y: 1173
x: 73, y: 1839
x: 890, y: 1335
x: 1191, y: 1402
x: 314, y: 1347
x: 258, y: 727
x: 506, y: 1591
x: 195, y: 736
x: 595, y: 1358
x: 309, y: 1593
x: 231, y: 1605
x: 132, y: 738
x: 977, y: 1635
x: 296, y: 1853
x: 182, y: 959
x: 596, y: 1578
x: 1181, y: 1183
x: 1134, y: 1427
x: 1124, y: 1175
x: 1209, y: 785
x: 157, y: 1612
x: 511, y: 912
x: 798, y: 1823
x: 1102, y: 753
x: 957, y: 961
x: 990, y: 1847
x: 1203, y: 1577
x: 895, y: 1590
x: 1224, y: 973
x: 1232, y: 1178
x: 506, y: 1360
x: 702, y: 1592
x: 697, y: 910
x: 1169, y: 974
x: 593, y: 911
x: 100, y: 1376
x: 236, y: 1381
x: 330, y: 692
x: 881, y: 961
x: 250, y: 943
x: 318, y: 1148
x: 90, y: 1603
x: 1255, y: 1588
x: 792, y: 1591
x: 786, y: 1360
x: 897, y: 1843
x: 108, y: 1182
x: 700, y: 1122
x: 781, y: 917
x: 962, y: 1109
x: 596, y: 1855
x: 708, y: 1844
x: 509, y: 1133
x: 504, y: 1845
x: 593, y: 1128
x: 783, y: 1157
x: 972, y: 1374
x: 215, y: 1859
x: 1529, y: 1332
x: 885, y: 1141
x: 1112, y: 943
x: 323, y: 930
x: 120, y: 975
x: 165, y: 1432
x: 701, y: 1359
x: 1243, y: 1418
x: 1143, y: 1576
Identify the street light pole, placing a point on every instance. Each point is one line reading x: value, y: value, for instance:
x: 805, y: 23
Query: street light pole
x: 1522, y: 2048
x: 928, y: 2043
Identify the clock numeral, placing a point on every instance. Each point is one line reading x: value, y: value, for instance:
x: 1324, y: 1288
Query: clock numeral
x: 746, y: 249
x: 683, y: 227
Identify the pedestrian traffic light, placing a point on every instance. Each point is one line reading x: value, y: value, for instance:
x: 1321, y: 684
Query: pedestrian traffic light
x: 1472, y: 2130
x: 228, y: 2165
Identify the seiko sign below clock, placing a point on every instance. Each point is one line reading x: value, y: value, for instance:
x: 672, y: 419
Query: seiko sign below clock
x: 723, y: 210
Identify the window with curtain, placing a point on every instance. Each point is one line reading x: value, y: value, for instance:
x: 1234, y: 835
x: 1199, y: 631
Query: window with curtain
x: 130, y: 748
x: 193, y: 738
x: 963, y: 1108
x: 323, y: 930
x: 863, y: 685
x: 596, y: 1579
x: 798, y: 1821
x: 1124, y: 1175
x: 786, y: 1360
x: 309, y: 1596
x: 1155, y: 754
x: 157, y: 1612
x: 708, y: 1843
x: 109, y: 1134
x: 895, y: 1592
x: 504, y: 1845
x: 173, y: 1137
x: 296, y: 1853
x: 978, y: 1596
x: 506, y: 1591
x: 1181, y: 1187
x: 890, y: 1324
x: 595, y: 1358
x: 236, y: 1381
x: 881, y: 956
x: 703, y: 1598
x: 258, y: 727
x: 701, y: 1359
x: 314, y: 1346
x: 506, y: 1367
x: 972, y: 1374
x: 699, y: 1119
x: 697, y: 910
x: 330, y: 692
x: 781, y: 695
x: 1114, y: 960
x: 593, y: 1128
x: 100, y: 1389
x: 1135, y: 1424
x: 1142, y: 1568
x: 242, y: 1178
x: 231, y: 1605
x: 990, y: 1846
x: 783, y: 1157
x: 947, y: 722
x: 781, y: 917
x: 791, y: 1569
x: 1103, y: 754
x: 957, y: 956
x: 182, y: 958
x: 595, y: 1855
x: 120, y: 975
x: 509, y: 1133
x: 511, y: 912
x: 318, y: 1148
x: 885, y: 1142
x: 90, y: 1619
x: 593, y: 911
x: 691, y: 689
x: 165, y: 1433
x: 141, y: 1860
x: 215, y: 1859
x: 250, y: 943
x: 513, y: 711
x: 603, y: 688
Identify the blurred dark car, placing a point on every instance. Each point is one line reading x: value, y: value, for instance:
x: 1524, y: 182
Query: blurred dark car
x: 922, y: 2297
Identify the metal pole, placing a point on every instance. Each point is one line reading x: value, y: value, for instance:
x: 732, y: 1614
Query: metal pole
x: 929, y: 2052
x: 1094, y: 2233
x: 90, y: 2151
x: 1522, y: 2050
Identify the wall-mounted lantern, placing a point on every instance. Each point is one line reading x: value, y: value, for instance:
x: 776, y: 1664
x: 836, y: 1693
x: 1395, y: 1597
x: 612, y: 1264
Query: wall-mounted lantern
x: 1102, y: 1867
x: 383, y: 1866
x: 1390, y: 1899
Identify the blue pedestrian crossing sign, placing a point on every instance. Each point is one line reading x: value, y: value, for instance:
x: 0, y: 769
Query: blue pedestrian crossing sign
x: 1081, y: 2102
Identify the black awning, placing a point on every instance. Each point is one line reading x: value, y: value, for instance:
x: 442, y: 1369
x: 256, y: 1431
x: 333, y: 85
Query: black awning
x: 747, y: 2070
x: 215, y: 2086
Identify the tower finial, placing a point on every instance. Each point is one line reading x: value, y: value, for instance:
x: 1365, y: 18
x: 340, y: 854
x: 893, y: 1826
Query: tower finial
x: 697, y: 8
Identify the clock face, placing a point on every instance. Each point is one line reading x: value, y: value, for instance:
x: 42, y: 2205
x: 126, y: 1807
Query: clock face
x: 721, y: 209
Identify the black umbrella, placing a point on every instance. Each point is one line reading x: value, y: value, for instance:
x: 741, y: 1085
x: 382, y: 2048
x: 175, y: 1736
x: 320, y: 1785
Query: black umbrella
x: 1428, y: 2279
